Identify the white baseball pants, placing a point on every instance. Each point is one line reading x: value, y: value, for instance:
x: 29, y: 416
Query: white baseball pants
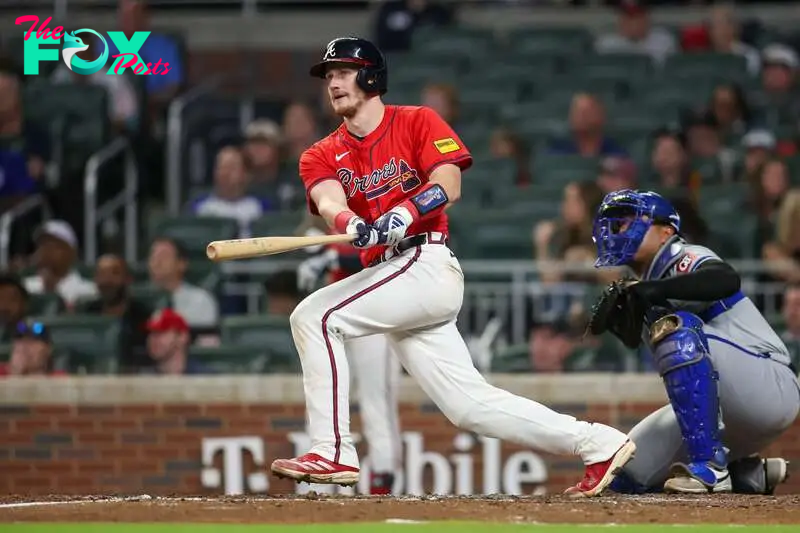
x: 414, y: 298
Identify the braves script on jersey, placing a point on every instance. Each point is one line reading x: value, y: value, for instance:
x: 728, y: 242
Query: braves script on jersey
x: 387, y: 166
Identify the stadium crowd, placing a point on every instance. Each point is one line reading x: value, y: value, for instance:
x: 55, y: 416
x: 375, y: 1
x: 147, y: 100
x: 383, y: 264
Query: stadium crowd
x: 729, y: 159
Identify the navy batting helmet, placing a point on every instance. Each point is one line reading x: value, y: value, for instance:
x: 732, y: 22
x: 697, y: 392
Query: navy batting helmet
x: 372, y: 76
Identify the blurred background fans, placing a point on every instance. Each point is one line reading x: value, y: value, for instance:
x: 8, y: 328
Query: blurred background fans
x: 113, y: 185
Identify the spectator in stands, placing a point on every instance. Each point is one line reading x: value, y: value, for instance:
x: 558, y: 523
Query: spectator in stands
x: 759, y: 145
x: 230, y: 199
x: 506, y: 144
x: 587, y: 121
x: 768, y: 193
x: 31, y: 352
x: 168, y: 342
x: 635, y: 34
x: 24, y: 152
x: 283, y: 294
x: 23, y: 148
x: 167, y: 266
x: 704, y: 142
x: 670, y: 163
x: 269, y: 177
x: 724, y: 33
x: 783, y: 253
x: 777, y: 99
x: 55, y: 258
x: 123, y: 103
x: 300, y: 129
x: 397, y: 20
x: 730, y: 110
x: 616, y: 173
x: 552, y: 238
x: 113, y: 279
x: 13, y: 305
x: 163, y: 87
x: 443, y: 98
x: 791, y: 317
x: 549, y: 348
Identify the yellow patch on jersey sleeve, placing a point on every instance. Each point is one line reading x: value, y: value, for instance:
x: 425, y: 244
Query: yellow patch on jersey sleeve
x: 445, y: 146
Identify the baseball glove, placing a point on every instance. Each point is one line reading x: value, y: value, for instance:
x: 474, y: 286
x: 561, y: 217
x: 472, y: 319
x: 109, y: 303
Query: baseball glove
x: 621, y: 311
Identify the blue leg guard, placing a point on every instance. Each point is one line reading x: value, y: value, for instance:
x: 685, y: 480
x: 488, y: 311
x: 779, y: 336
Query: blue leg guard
x: 681, y: 353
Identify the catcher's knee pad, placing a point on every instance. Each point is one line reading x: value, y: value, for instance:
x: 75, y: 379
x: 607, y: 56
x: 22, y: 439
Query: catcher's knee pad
x: 681, y: 352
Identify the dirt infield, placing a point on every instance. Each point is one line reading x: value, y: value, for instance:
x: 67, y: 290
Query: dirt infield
x: 311, y: 508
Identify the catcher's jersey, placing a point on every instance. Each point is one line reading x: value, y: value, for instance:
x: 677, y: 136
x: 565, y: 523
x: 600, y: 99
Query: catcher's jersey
x: 735, y: 321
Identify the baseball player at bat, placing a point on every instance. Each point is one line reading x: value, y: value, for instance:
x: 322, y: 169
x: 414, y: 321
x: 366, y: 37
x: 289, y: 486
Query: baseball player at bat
x: 731, y: 388
x: 387, y: 174
x: 375, y: 371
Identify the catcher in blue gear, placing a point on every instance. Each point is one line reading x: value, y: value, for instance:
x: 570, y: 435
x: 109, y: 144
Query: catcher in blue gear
x: 731, y: 387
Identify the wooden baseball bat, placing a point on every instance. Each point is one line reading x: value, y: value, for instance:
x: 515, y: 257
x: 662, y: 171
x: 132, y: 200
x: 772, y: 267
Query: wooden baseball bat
x: 258, y: 246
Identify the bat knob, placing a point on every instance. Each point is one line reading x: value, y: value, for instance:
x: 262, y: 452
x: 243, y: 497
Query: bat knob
x: 211, y: 251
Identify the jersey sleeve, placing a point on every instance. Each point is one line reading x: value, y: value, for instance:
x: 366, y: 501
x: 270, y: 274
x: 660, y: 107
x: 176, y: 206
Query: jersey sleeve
x: 313, y: 171
x: 691, y: 258
x: 439, y: 144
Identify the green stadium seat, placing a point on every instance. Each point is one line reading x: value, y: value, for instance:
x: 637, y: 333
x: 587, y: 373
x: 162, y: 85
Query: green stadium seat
x: 555, y: 41
x: 263, y: 332
x: 194, y: 233
x: 151, y: 296
x: 512, y: 360
x: 456, y: 41
x: 487, y: 94
x: 231, y: 359
x: 706, y: 65
x: 421, y: 74
x: 563, y: 169
x: 514, y: 70
x: 78, y: 115
x: 46, y: 304
x: 5, y: 352
x: 620, y: 66
x: 85, y: 343
x: 278, y: 223
x: 482, y: 233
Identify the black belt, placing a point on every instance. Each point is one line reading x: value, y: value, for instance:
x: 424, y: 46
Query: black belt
x: 409, y: 243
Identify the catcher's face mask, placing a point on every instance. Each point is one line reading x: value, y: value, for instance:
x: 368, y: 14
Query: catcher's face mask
x: 619, y: 228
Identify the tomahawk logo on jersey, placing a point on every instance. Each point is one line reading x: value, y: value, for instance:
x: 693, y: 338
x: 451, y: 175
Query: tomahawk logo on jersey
x: 386, y: 167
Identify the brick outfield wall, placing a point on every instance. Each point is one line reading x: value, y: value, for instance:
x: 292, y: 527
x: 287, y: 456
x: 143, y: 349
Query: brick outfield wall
x: 156, y: 448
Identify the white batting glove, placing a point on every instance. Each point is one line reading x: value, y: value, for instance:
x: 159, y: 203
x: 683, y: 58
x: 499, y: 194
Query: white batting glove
x: 365, y: 234
x: 393, y: 225
x: 312, y: 269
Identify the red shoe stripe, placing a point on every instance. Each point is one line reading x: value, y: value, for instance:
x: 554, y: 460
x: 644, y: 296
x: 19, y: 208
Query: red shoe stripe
x: 332, y: 359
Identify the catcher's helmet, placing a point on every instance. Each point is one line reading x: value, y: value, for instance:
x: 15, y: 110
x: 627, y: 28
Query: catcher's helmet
x: 372, y: 76
x: 640, y: 210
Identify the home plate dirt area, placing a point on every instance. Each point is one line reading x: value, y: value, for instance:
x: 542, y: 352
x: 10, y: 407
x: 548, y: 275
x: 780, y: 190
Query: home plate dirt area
x: 311, y: 508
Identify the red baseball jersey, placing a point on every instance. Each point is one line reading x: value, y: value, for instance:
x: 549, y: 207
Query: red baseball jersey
x: 386, y: 167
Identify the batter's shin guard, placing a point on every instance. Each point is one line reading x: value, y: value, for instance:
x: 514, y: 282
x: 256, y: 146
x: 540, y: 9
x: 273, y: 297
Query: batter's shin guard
x: 681, y: 351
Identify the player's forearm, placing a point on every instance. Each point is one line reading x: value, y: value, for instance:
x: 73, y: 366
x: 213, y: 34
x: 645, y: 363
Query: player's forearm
x: 710, y: 282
